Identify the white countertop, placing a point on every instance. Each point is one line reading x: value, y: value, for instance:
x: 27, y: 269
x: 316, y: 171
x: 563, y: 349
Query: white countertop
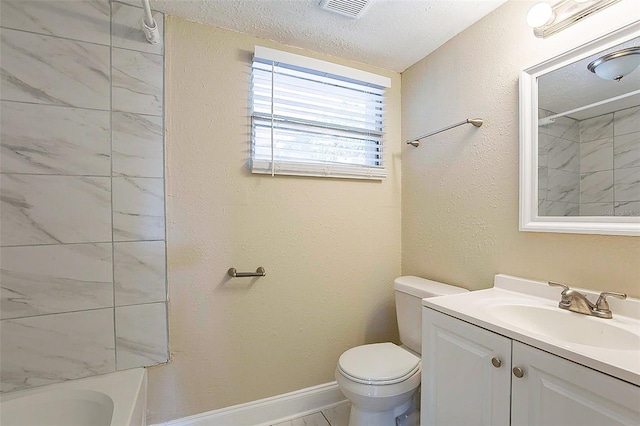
x: 475, y: 307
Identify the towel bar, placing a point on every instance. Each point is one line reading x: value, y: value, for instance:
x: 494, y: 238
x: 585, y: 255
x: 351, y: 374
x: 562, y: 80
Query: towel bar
x: 260, y: 272
x: 477, y: 122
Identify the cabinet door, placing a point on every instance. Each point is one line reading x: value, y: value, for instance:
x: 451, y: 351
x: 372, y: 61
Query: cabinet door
x: 554, y: 391
x: 460, y: 384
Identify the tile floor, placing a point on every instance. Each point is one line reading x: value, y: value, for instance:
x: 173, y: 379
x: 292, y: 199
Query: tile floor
x: 335, y: 416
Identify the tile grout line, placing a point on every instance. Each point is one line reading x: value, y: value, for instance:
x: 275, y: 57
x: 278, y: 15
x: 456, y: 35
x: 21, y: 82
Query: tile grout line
x: 613, y: 163
x: 143, y: 114
x: 113, y: 249
x: 80, y: 310
x: 82, y: 242
x: 76, y: 176
x: 94, y: 43
x: 61, y: 37
x: 164, y: 187
x: 79, y: 176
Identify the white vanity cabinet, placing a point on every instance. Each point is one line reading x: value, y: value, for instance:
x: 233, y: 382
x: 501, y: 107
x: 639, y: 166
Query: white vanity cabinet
x: 555, y: 391
x: 469, y: 377
x: 460, y: 385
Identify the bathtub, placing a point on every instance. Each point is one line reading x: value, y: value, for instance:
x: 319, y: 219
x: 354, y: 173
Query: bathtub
x: 117, y: 399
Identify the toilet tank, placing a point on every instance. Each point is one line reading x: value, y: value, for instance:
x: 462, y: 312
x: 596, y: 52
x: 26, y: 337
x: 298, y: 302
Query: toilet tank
x: 409, y: 292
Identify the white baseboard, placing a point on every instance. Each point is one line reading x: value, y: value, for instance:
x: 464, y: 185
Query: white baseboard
x: 269, y: 410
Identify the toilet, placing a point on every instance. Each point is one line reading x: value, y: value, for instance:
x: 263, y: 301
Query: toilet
x: 381, y: 380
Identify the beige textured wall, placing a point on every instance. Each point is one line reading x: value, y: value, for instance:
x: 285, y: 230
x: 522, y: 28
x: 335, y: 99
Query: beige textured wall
x: 460, y: 188
x: 331, y: 247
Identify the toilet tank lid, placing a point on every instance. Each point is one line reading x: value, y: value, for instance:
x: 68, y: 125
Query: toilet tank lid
x: 422, y: 287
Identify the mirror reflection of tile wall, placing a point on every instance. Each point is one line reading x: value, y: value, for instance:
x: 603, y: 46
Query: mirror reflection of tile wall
x: 82, y: 239
x: 590, y: 167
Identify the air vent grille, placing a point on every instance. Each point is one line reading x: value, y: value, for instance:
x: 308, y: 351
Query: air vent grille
x: 350, y: 8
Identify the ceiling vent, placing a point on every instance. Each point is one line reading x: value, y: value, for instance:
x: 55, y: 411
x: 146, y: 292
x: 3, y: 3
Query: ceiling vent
x: 350, y: 8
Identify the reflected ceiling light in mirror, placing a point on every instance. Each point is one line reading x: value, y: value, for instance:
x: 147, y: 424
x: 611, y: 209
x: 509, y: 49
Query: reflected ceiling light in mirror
x: 616, y: 65
x: 562, y: 15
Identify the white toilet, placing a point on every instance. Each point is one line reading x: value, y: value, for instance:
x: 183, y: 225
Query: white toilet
x: 381, y: 379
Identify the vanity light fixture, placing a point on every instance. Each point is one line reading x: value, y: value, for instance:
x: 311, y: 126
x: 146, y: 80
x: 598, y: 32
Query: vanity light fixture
x: 540, y: 14
x: 616, y: 65
x: 547, y: 20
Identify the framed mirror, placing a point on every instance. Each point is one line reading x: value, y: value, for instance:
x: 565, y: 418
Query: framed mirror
x: 580, y: 139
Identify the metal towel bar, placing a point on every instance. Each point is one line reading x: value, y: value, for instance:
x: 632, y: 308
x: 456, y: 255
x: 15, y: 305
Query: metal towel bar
x: 260, y: 272
x: 475, y: 121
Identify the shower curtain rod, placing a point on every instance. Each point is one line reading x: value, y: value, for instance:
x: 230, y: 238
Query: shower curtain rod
x: 149, y: 26
x: 548, y: 120
x: 475, y: 121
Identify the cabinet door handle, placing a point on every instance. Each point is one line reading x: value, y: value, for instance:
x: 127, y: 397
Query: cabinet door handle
x: 518, y: 372
x: 495, y: 361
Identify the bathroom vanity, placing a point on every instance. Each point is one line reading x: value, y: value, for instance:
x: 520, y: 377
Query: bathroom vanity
x: 509, y: 355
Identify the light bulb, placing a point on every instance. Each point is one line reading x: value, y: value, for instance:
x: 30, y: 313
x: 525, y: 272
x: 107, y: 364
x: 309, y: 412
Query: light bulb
x: 539, y: 15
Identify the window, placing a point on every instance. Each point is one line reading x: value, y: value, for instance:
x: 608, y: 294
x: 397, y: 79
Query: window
x: 315, y: 118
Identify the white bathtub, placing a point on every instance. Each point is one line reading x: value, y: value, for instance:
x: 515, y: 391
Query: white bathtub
x: 117, y: 399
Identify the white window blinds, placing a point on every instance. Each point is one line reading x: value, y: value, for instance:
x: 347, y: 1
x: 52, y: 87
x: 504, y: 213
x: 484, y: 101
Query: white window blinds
x: 314, y: 118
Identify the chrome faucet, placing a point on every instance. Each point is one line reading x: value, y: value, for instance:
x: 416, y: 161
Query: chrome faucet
x: 574, y: 301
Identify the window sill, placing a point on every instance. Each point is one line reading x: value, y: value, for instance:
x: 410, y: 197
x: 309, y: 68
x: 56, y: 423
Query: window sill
x: 320, y: 170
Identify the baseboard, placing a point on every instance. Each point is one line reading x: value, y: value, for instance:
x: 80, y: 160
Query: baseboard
x: 269, y: 410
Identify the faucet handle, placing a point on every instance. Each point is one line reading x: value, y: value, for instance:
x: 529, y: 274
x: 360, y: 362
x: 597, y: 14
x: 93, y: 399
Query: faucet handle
x: 556, y: 284
x: 602, y: 304
x: 565, y: 299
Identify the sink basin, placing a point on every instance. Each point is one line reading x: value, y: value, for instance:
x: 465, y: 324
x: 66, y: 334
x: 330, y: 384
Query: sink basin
x: 569, y: 327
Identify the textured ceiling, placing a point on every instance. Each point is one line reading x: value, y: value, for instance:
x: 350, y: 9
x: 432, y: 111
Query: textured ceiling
x: 392, y: 34
x: 574, y: 86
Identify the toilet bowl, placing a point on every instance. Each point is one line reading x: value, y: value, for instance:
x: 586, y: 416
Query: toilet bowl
x: 381, y: 379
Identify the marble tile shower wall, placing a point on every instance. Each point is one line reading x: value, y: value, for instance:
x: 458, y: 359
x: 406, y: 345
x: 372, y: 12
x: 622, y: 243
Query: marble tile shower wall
x: 610, y: 164
x: 590, y: 167
x: 559, y: 167
x: 82, y: 225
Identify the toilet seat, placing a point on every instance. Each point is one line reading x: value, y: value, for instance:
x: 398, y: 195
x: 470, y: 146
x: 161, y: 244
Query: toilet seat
x: 378, y: 364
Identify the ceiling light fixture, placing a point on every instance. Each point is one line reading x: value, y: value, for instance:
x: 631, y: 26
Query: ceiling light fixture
x: 547, y: 20
x: 616, y: 65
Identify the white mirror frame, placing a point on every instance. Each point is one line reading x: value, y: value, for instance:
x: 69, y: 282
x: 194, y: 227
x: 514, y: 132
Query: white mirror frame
x: 529, y: 218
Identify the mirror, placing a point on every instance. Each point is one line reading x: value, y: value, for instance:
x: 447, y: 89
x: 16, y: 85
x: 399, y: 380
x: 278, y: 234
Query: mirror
x: 580, y: 140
